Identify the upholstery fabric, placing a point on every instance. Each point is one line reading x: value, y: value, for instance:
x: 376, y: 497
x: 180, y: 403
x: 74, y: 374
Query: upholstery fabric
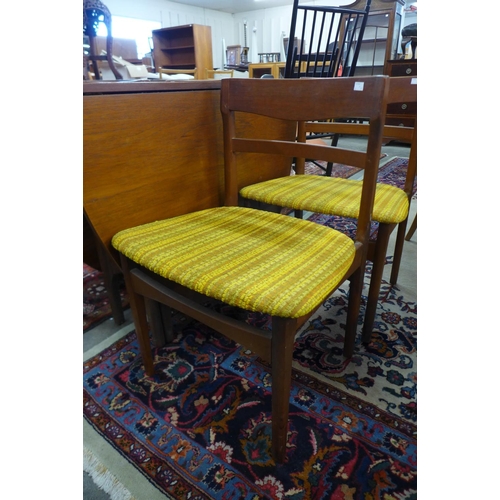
x: 252, y: 259
x: 329, y: 195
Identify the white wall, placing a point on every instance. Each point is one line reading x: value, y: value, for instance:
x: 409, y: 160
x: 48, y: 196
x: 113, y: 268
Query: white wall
x: 265, y: 27
x: 176, y: 14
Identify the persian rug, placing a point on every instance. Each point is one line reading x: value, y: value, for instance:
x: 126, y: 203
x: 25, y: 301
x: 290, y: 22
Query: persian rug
x: 96, y: 307
x: 200, y: 429
x: 338, y: 170
x: 393, y: 172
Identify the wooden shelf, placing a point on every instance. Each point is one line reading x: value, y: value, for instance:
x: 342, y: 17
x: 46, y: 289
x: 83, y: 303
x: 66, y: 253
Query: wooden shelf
x: 183, y: 47
x: 384, y: 19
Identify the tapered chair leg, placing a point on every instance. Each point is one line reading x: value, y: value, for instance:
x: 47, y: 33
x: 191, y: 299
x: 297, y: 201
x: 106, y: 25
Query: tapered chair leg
x: 413, y: 228
x: 281, y: 365
x: 398, y: 252
x: 138, y: 307
x: 112, y: 280
x: 355, y: 290
x: 160, y: 321
x: 384, y: 232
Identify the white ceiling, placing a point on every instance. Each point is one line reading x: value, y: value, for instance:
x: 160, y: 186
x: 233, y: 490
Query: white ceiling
x: 234, y: 6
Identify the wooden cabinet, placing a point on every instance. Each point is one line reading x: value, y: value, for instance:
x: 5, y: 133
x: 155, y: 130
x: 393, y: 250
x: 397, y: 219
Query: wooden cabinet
x: 382, y: 34
x: 183, y: 47
x: 257, y: 70
x: 401, y: 113
x: 133, y: 129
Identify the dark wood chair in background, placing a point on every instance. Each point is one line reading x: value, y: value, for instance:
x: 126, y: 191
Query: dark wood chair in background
x: 94, y: 13
x: 336, y: 196
x: 324, y: 41
x: 250, y: 259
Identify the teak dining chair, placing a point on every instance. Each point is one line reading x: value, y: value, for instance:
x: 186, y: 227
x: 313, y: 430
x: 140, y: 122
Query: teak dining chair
x: 252, y: 259
x: 336, y: 196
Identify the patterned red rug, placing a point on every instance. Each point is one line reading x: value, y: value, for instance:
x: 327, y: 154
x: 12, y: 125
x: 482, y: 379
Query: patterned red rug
x: 338, y: 170
x: 96, y: 307
x: 200, y: 428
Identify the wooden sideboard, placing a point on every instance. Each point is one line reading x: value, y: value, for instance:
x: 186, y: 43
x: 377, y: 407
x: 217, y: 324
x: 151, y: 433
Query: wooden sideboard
x: 169, y: 136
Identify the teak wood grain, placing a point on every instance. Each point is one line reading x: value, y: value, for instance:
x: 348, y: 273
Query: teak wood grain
x: 152, y: 156
x: 157, y: 154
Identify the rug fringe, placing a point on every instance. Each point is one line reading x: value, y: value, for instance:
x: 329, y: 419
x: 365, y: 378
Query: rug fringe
x: 103, y: 478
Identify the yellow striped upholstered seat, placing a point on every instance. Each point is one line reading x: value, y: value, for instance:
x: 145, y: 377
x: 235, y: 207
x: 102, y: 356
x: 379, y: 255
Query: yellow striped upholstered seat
x: 329, y: 195
x: 256, y: 260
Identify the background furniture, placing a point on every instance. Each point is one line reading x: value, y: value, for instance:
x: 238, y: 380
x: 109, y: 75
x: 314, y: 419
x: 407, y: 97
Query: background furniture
x: 233, y: 55
x: 257, y: 70
x: 218, y: 74
x: 95, y: 12
x: 178, y: 71
x: 183, y: 47
x: 382, y: 34
x: 401, y: 67
x: 329, y: 38
x: 122, y: 47
x: 409, y: 41
x: 402, y: 113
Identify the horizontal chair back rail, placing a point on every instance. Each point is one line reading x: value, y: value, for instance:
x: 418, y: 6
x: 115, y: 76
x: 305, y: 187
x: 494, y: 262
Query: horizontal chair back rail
x: 341, y: 105
x: 318, y: 151
x: 390, y: 131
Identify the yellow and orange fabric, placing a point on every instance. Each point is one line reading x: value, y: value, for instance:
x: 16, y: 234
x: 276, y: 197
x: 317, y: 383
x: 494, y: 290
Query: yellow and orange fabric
x: 329, y: 195
x: 252, y: 259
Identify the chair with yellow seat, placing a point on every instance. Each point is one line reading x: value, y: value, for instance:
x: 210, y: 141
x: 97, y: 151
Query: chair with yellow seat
x: 340, y: 197
x: 251, y: 259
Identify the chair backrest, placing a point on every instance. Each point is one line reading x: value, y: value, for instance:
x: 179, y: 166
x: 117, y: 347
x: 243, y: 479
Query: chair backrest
x: 401, y: 90
x: 219, y: 74
x: 178, y: 71
x: 324, y: 41
x: 300, y: 101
